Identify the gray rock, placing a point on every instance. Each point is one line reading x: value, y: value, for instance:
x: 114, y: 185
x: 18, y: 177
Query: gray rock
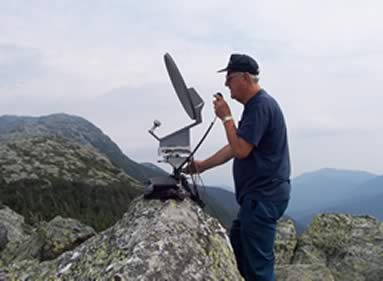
x: 49, y: 240
x: 62, y: 234
x: 3, y: 236
x: 350, y: 246
x: 285, y: 241
x: 304, y: 272
x: 153, y: 241
x: 17, y: 230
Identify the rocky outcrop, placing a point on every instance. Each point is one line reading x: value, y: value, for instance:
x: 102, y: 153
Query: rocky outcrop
x: 335, y: 247
x: 14, y: 225
x: 48, y: 240
x: 285, y: 241
x: 50, y: 159
x: 153, y: 241
x: 75, y: 129
x: 351, y: 247
x: 13, y: 230
x: 304, y: 272
x: 165, y: 240
x: 3, y: 236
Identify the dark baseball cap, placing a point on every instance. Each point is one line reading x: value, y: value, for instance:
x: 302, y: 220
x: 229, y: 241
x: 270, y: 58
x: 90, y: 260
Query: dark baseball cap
x: 241, y: 63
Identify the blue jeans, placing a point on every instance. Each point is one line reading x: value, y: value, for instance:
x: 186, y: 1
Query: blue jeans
x: 252, y: 237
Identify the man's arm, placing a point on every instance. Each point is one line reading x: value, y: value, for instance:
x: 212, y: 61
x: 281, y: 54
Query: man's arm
x: 240, y: 148
x: 220, y: 157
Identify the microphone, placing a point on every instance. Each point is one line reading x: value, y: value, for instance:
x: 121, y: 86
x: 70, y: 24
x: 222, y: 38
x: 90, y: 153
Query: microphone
x: 218, y: 94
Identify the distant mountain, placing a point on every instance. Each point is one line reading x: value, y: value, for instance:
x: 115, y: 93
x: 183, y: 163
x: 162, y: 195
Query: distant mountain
x: 360, y: 206
x: 64, y: 165
x: 324, y: 187
x: 154, y: 168
x: 333, y: 190
x: 73, y: 128
x: 220, y: 203
x: 364, y: 205
x: 367, y: 200
x: 45, y: 176
x: 369, y: 188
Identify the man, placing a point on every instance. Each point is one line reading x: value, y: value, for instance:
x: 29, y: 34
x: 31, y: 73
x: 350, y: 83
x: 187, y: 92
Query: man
x: 261, y: 167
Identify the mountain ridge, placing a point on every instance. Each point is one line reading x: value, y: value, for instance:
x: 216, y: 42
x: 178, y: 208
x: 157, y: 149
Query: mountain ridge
x: 74, y: 128
x: 329, y: 190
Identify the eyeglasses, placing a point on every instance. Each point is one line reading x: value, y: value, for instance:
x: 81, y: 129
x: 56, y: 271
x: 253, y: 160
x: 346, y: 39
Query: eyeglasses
x: 231, y: 76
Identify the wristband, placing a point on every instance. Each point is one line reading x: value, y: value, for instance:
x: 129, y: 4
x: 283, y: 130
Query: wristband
x: 227, y: 118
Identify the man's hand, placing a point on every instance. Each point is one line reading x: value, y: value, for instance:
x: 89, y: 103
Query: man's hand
x: 221, y: 108
x: 194, y: 167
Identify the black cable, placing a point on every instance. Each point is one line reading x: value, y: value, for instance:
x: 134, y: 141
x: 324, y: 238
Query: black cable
x: 199, y: 144
x: 218, y: 94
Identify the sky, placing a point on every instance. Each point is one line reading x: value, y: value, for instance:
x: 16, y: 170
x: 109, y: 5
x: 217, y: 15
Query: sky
x: 103, y: 60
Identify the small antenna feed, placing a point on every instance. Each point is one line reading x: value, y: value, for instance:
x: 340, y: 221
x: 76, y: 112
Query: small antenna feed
x: 156, y: 124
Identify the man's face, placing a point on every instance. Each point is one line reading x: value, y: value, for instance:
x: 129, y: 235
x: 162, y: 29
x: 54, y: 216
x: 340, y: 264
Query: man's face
x: 234, y: 83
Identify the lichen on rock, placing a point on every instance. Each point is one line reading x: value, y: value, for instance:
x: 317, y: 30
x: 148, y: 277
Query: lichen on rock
x: 285, y: 241
x: 350, y: 246
x: 153, y: 241
x: 47, y: 241
x: 304, y: 272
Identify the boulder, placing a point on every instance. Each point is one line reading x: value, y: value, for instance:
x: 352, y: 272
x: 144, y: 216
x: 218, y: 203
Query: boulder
x: 154, y: 240
x: 350, y: 246
x: 285, y: 241
x: 62, y: 234
x: 17, y: 229
x: 303, y: 272
x: 49, y: 240
x: 3, y: 236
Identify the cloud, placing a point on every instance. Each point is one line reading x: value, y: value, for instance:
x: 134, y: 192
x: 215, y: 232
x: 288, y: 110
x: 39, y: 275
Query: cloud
x: 19, y: 64
x: 104, y: 60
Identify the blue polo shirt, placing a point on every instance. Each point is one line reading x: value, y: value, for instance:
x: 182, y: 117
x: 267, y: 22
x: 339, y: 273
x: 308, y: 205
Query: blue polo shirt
x: 265, y: 173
